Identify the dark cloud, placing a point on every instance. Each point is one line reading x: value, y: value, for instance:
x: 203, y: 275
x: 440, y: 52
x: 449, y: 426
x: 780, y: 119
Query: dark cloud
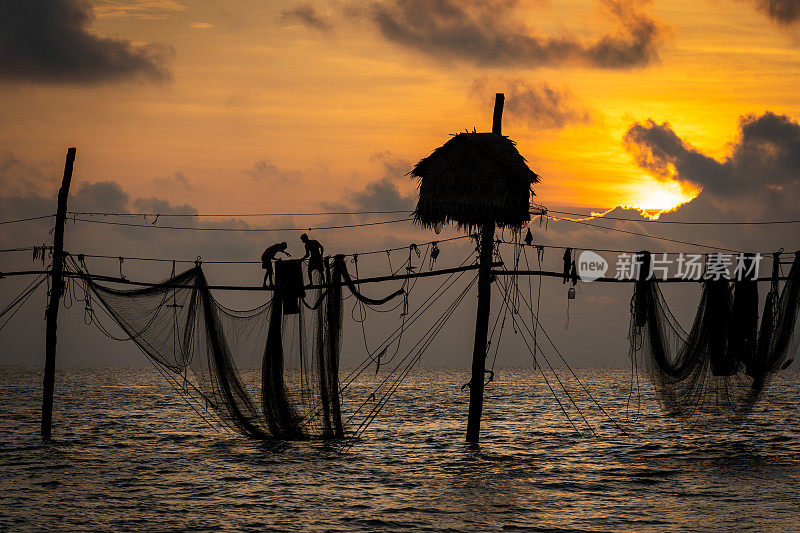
x: 307, y: 15
x: 48, y: 41
x: 490, y: 34
x: 784, y: 12
x: 765, y: 158
x: 101, y: 196
x: 539, y: 106
x: 382, y: 194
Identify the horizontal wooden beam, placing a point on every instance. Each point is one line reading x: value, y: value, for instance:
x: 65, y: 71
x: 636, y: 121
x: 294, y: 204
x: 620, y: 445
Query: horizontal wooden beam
x: 376, y: 279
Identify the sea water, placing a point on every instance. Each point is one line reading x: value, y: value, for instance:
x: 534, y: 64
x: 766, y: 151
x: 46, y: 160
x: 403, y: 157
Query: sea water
x: 129, y: 454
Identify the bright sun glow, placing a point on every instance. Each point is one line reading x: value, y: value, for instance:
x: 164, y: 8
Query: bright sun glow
x: 662, y: 196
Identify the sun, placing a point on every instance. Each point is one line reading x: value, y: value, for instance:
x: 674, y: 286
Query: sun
x: 657, y: 197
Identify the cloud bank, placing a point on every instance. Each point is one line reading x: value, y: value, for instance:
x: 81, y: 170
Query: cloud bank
x: 491, y: 34
x: 763, y: 166
x: 48, y: 41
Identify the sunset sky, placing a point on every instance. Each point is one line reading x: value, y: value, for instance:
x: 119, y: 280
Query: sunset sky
x: 250, y: 106
x: 263, y: 105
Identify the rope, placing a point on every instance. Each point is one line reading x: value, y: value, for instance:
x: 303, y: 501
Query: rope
x: 261, y: 230
x: 15, y: 221
x: 558, y: 352
x: 426, y: 341
x: 236, y: 215
x: 17, y: 303
x: 699, y: 245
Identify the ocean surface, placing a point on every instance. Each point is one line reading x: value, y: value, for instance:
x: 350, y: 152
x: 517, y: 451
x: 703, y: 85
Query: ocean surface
x: 129, y: 455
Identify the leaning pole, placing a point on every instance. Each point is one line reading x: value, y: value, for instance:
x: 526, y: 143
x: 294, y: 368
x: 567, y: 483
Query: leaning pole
x: 56, y: 289
x: 484, y: 306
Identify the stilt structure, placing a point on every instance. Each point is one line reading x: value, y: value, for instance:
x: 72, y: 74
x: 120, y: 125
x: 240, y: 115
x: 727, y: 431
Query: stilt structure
x: 484, y: 306
x: 479, y: 181
x: 56, y: 289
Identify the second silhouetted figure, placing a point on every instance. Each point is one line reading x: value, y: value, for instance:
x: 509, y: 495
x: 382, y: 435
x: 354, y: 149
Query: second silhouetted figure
x: 314, y: 251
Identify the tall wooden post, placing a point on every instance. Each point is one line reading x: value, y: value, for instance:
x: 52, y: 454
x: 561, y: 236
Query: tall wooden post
x: 484, y: 306
x: 56, y: 289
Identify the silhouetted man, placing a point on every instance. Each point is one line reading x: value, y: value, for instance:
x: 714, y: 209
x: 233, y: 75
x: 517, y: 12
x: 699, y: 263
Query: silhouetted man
x: 314, y: 251
x: 267, y: 257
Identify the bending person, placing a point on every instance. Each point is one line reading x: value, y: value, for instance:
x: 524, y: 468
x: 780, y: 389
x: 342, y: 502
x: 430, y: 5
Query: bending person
x: 268, y: 256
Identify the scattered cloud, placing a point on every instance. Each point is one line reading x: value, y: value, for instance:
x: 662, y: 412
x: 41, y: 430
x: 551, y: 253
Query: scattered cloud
x: 539, y: 105
x: 22, y: 178
x: 48, y: 41
x: 307, y: 15
x: 139, y: 9
x: 178, y: 180
x: 265, y: 170
x: 201, y: 25
x: 241, y: 97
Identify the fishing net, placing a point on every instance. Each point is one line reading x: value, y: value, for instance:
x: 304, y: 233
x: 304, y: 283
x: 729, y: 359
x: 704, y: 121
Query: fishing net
x: 214, y: 353
x: 721, y: 366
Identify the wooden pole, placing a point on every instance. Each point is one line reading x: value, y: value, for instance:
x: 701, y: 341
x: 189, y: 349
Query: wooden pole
x: 484, y: 306
x: 56, y: 289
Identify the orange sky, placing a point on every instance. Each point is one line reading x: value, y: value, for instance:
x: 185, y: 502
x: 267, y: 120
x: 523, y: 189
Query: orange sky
x: 249, y: 85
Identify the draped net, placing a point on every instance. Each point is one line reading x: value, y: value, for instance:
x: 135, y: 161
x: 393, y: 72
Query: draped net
x: 215, y: 352
x: 722, y: 365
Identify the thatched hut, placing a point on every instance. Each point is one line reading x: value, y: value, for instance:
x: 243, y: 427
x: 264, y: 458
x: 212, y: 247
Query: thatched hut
x: 474, y: 179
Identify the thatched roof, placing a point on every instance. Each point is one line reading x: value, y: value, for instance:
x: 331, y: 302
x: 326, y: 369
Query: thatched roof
x: 472, y: 179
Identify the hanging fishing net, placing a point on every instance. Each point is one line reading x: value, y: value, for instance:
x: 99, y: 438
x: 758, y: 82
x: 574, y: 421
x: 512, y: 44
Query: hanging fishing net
x: 269, y: 372
x: 720, y: 367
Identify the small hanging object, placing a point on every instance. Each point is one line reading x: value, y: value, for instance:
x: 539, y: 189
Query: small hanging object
x: 437, y: 228
x: 573, y: 274
x: 529, y: 237
x: 571, y: 293
x: 35, y: 253
x: 415, y: 248
x: 156, y: 219
x: 434, y: 254
x: 567, y: 265
x: 121, y: 260
x: 378, y: 360
x: 540, y: 252
x: 389, y: 259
